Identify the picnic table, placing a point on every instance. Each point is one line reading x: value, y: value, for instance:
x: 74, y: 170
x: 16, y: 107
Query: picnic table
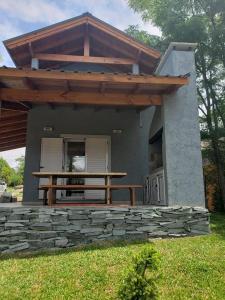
x: 52, y: 185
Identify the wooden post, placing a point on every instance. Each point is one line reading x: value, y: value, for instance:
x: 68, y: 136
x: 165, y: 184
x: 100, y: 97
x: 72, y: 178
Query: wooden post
x: 135, y: 69
x: 108, y: 182
x: 86, y: 42
x: 34, y: 63
x: 132, y: 196
x: 52, y: 192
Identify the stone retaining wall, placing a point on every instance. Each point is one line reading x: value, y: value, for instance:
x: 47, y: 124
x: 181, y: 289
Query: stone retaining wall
x: 34, y: 228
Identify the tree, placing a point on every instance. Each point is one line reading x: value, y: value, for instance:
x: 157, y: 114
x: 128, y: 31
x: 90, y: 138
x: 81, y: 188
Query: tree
x: 143, y: 36
x: 20, y: 168
x: 5, y: 171
x: 202, y: 22
x: 12, y: 177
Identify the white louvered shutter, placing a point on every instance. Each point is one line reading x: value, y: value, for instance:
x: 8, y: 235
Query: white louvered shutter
x: 51, y: 159
x: 97, y: 161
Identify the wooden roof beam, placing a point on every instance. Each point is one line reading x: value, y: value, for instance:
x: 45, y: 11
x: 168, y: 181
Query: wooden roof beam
x: 84, y: 59
x: 93, y: 77
x: 57, y: 96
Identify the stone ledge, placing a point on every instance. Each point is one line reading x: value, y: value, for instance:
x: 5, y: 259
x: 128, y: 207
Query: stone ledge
x: 39, y: 228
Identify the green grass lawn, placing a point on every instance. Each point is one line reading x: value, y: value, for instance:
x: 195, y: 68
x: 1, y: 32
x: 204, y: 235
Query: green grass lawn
x: 191, y: 268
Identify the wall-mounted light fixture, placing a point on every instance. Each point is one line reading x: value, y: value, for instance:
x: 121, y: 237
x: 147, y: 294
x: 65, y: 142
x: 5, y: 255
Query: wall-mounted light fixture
x: 117, y: 131
x: 48, y: 129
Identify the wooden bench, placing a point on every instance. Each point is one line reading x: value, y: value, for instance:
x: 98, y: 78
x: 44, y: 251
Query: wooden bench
x: 131, y: 187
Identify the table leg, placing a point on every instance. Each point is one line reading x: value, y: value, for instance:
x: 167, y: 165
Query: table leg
x: 108, y: 182
x: 132, y: 196
x: 52, y: 192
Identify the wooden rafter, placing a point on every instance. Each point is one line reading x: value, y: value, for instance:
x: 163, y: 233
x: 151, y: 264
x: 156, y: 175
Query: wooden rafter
x: 82, y: 98
x: 86, y: 59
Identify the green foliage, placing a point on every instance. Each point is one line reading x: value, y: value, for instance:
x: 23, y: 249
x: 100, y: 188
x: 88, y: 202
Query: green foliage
x: 140, y: 280
x: 12, y: 177
x: 143, y: 36
x: 201, y: 22
x: 20, y: 169
x: 5, y: 171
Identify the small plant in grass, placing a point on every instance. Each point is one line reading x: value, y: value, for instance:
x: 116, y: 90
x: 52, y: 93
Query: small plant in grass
x: 140, y: 280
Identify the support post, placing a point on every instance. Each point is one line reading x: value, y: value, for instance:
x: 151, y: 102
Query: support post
x: 35, y: 63
x: 135, y: 69
x: 182, y: 159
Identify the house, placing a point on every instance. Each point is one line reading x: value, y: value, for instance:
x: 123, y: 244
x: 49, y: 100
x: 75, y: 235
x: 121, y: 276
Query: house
x: 86, y: 96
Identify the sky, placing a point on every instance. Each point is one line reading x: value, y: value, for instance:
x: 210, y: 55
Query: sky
x: 22, y: 16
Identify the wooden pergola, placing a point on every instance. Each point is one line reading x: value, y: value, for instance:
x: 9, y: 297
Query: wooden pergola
x: 43, y: 59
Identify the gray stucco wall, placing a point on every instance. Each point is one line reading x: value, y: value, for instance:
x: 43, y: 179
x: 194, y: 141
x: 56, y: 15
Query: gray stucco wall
x: 156, y: 122
x: 181, y: 136
x: 129, y: 150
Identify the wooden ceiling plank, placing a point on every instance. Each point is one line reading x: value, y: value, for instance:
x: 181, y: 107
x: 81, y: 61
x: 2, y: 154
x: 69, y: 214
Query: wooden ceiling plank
x: 9, y: 106
x: 12, y: 137
x: 12, y: 133
x: 13, y: 146
x: 93, y: 77
x: 11, y: 128
x: 82, y: 98
x: 13, y: 121
x: 15, y: 140
x: 9, y: 113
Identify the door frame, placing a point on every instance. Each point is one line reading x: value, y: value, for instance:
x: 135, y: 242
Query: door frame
x: 82, y: 138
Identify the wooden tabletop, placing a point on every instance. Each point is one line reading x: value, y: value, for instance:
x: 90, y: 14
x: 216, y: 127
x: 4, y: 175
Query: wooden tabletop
x: 79, y: 174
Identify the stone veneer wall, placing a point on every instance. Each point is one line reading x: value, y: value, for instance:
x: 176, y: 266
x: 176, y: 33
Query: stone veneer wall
x: 35, y: 228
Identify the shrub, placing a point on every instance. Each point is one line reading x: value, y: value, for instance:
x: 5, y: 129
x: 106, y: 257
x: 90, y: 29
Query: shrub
x: 140, y: 280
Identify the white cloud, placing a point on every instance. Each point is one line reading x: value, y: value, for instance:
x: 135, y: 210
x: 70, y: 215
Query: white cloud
x: 34, y: 10
x: 7, y: 30
x: 11, y: 156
